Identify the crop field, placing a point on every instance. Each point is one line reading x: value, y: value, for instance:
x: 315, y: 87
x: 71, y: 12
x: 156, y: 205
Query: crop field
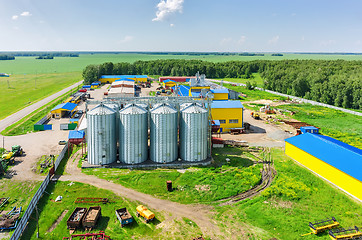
x: 193, y: 185
x: 51, y: 211
x: 30, y: 65
x: 19, y: 91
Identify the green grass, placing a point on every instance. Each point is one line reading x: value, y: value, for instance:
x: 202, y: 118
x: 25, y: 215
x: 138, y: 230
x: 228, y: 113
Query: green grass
x: 295, y: 198
x: 337, y: 124
x: 21, y: 91
x: 29, y: 65
x: 256, y: 79
x: 252, y: 95
x: 196, y: 184
x: 50, y: 211
x: 26, y: 124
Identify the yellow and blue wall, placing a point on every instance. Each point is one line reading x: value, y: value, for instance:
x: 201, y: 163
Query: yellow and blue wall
x: 335, y: 161
x: 229, y: 113
x: 112, y: 78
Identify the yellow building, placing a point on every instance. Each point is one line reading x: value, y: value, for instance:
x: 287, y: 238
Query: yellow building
x: 112, y: 78
x: 220, y: 94
x: 63, y: 109
x: 168, y: 83
x: 335, y: 161
x: 229, y: 113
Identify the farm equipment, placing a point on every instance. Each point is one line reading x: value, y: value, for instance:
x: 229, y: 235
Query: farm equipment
x: 124, y: 216
x: 145, y: 213
x: 75, y: 219
x: 10, y: 220
x: 323, y: 225
x: 352, y: 233
x: 91, y: 217
x: 17, y: 150
x: 3, y: 201
x: 89, y: 236
x: 255, y: 115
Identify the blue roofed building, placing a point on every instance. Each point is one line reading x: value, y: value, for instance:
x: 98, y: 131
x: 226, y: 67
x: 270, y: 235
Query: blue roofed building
x: 112, y: 78
x: 63, y: 109
x: 228, y: 113
x: 333, y: 160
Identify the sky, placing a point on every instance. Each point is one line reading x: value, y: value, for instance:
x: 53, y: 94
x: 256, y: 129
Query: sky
x: 181, y: 25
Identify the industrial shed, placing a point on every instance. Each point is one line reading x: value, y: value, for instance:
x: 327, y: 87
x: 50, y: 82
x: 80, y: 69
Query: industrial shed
x: 183, y: 91
x: 176, y: 79
x: 62, y: 109
x: 333, y: 160
x: 229, y: 113
x: 168, y: 83
x: 220, y: 93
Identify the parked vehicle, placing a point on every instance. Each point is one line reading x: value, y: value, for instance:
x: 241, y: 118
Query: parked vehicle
x: 124, y: 216
x: 145, y: 213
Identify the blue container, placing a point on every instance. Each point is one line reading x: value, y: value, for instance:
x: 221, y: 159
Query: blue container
x: 309, y: 129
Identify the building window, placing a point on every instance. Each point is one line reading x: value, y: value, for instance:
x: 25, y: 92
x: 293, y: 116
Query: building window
x: 234, y: 121
x: 222, y: 121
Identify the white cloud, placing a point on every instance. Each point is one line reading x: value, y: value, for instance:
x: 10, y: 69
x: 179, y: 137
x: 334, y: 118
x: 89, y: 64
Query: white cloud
x: 242, y: 40
x: 25, y: 14
x: 328, y: 42
x: 15, y: 17
x: 172, y: 25
x: 226, y: 41
x: 274, y: 40
x: 166, y: 8
x: 126, y: 39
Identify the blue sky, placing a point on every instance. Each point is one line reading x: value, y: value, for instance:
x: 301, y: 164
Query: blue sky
x: 181, y: 25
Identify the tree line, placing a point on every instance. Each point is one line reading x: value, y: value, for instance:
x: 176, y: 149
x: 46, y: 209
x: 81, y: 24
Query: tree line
x: 6, y: 57
x: 334, y: 82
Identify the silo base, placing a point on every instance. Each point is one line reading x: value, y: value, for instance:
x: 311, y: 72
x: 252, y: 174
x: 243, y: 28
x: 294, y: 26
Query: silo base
x: 151, y: 165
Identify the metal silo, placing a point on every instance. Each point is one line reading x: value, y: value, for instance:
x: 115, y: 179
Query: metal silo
x: 163, y: 128
x: 193, y: 133
x: 101, y: 135
x: 133, y: 134
x: 115, y: 107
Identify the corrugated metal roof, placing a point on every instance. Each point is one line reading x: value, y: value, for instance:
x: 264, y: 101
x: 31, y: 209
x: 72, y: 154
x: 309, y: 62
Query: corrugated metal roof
x: 220, y: 90
x: 124, y: 79
x: 226, y: 104
x: 124, y: 76
x: 309, y: 128
x: 74, y: 134
x: 183, y: 91
x: 333, y: 152
x: 66, y: 106
x: 101, y: 110
x: 133, y: 109
x: 194, y: 108
x: 168, y: 80
x: 163, y: 109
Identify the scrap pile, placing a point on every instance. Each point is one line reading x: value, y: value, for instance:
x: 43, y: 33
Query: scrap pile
x: 9, y: 220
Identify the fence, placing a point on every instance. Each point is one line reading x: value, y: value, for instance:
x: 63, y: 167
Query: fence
x: 34, y: 201
x: 293, y: 97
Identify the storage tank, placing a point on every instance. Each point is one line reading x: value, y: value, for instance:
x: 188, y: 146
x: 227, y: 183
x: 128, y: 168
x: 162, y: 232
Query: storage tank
x: 101, y: 135
x: 133, y: 134
x: 115, y: 107
x: 193, y: 133
x: 163, y: 121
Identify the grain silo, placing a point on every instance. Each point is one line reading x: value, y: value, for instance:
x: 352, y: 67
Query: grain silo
x: 163, y: 121
x: 133, y: 134
x: 193, y: 133
x: 101, y: 135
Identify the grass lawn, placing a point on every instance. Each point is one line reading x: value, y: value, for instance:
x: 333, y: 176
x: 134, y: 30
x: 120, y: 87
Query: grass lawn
x: 26, y: 124
x: 196, y: 184
x: 21, y: 91
x: 295, y: 198
x: 337, y: 124
x: 252, y: 95
x: 51, y: 210
x: 256, y: 79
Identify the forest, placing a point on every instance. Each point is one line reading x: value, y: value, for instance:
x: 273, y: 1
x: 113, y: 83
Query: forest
x: 6, y: 57
x: 334, y: 82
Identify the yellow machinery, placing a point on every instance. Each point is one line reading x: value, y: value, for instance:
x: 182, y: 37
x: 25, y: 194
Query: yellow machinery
x: 145, y: 213
x: 255, y: 115
x: 352, y: 233
x: 323, y: 225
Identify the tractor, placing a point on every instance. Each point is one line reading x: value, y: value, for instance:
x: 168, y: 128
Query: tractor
x: 17, y: 150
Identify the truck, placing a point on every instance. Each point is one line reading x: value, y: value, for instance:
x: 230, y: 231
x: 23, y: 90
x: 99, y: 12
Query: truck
x: 145, y: 213
x: 124, y: 216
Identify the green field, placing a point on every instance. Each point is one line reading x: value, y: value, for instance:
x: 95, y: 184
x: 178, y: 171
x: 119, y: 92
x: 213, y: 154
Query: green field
x: 255, y: 80
x: 50, y: 212
x: 30, y: 65
x: 194, y: 185
x: 19, y: 91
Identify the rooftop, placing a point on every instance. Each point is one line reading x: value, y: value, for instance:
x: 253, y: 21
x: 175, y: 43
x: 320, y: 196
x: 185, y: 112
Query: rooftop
x: 65, y: 106
x: 220, y: 90
x: 333, y: 152
x: 124, y: 76
x: 226, y: 104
